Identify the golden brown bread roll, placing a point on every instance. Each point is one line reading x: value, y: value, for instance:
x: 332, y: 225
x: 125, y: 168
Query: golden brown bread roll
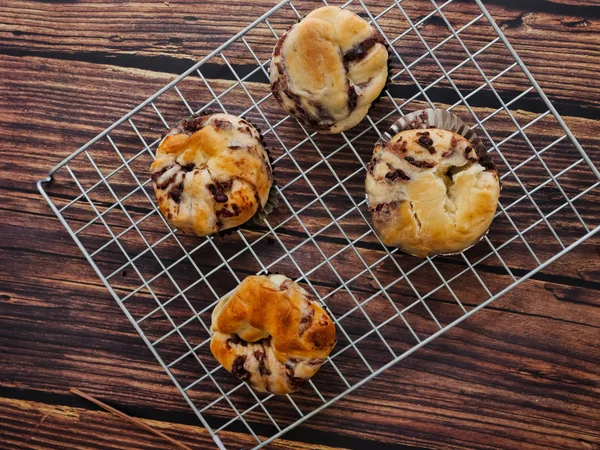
x: 328, y: 69
x: 430, y: 192
x: 211, y: 173
x: 270, y: 333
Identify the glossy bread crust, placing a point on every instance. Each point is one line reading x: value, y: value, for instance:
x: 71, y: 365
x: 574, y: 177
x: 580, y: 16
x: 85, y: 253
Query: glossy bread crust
x: 328, y: 69
x: 430, y: 192
x: 211, y: 173
x: 271, y: 333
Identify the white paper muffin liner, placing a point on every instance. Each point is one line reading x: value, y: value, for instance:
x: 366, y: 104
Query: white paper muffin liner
x: 436, y: 118
x: 445, y: 120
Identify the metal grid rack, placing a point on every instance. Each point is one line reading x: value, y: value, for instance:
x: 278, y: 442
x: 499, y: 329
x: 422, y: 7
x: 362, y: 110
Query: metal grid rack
x: 386, y: 305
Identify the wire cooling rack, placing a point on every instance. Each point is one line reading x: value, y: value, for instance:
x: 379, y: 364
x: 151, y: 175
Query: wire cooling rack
x: 386, y: 305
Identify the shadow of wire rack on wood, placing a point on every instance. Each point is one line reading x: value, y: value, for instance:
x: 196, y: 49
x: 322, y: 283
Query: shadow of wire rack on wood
x: 386, y: 305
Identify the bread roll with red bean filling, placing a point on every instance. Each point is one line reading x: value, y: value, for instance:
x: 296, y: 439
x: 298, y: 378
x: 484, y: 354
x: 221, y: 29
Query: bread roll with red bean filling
x: 271, y: 333
x: 211, y: 173
x: 328, y: 69
x: 430, y: 192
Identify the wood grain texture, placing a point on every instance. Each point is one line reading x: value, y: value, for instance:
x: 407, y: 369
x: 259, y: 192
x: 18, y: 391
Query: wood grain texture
x: 58, y: 426
x: 523, y: 373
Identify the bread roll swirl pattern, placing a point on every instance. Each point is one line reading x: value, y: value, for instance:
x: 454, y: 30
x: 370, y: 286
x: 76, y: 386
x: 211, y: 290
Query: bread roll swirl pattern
x: 328, y: 69
x: 270, y: 333
x: 211, y: 173
x: 430, y: 192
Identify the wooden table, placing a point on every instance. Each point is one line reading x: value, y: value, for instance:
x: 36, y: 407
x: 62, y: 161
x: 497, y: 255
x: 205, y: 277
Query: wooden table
x: 523, y: 373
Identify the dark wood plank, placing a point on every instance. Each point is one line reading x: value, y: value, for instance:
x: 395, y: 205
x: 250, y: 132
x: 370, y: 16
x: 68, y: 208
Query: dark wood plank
x: 129, y: 36
x: 521, y: 374
x: 526, y: 362
x: 59, y: 426
x: 300, y: 194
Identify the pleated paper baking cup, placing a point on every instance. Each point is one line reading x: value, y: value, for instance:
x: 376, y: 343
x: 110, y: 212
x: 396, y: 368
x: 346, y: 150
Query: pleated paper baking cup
x: 272, y: 200
x: 438, y: 118
x: 445, y: 120
x: 441, y: 119
x: 269, y: 207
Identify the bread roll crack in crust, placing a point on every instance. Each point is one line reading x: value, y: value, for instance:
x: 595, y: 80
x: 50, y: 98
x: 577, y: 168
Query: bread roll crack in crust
x: 211, y: 173
x: 328, y: 69
x: 430, y: 192
x: 271, y: 333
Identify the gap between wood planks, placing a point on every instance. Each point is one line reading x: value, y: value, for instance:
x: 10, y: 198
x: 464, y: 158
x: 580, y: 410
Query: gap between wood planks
x: 176, y: 66
x: 69, y: 406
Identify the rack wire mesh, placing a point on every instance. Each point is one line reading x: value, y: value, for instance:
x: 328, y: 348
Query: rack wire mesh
x: 385, y: 304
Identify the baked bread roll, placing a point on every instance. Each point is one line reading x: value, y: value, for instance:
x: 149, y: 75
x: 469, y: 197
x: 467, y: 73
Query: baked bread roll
x: 270, y: 333
x: 430, y: 192
x: 211, y: 173
x: 327, y: 69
